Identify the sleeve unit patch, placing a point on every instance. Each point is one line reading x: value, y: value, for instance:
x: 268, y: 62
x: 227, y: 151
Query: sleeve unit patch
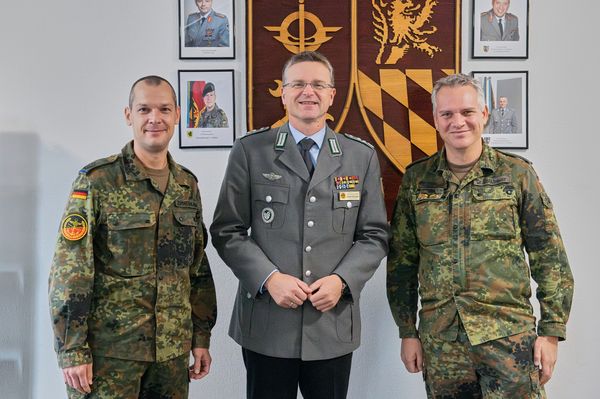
x: 74, y: 227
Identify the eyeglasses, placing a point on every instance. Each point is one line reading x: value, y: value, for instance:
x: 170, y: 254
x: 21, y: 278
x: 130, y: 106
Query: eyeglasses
x: 300, y: 85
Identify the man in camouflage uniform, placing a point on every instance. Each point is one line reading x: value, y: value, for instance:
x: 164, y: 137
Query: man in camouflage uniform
x: 130, y: 290
x: 462, y: 219
x: 212, y: 115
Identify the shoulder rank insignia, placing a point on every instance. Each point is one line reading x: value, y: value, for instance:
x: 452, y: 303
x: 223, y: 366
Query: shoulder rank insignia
x: 510, y: 154
x: 102, y: 161
x: 188, y: 171
x: 74, y: 227
x: 259, y: 130
x: 351, y: 137
x: 420, y: 160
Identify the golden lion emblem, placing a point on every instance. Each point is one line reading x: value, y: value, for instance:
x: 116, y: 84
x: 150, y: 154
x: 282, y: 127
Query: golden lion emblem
x: 401, y: 24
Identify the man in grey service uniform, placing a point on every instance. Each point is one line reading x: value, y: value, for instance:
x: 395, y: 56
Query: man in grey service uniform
x: 504, y: 119
x: 318, y: 231
x: 499, y: 25
x: 206, y: 28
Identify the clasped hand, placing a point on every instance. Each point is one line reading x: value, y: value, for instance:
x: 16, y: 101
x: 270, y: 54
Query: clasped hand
x: 290, y: 292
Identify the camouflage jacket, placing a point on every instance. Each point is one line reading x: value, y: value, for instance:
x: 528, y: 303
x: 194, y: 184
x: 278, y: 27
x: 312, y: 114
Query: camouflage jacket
x: 459, y: 245
x: 214, y: 118
x: 129, y: 278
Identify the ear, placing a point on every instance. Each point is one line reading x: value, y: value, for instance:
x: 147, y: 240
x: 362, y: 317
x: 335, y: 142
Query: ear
x: 127, y: 113
x: 178, y: 115
x: 486, y: 115
x: 332, y: 96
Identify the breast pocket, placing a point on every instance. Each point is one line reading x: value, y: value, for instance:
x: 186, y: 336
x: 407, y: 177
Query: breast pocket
x: 131, y: 243
x: 270, y: 203
x: 432, y: 217
x: 493, y: 212
x: 186, y: 224
x: 345, y: 212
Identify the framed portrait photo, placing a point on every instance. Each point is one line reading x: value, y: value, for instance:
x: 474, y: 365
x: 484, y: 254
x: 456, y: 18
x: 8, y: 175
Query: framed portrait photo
x: 500, y: 29
x: 206, y: 29
x: 506, y: 98
x: 206, y: 99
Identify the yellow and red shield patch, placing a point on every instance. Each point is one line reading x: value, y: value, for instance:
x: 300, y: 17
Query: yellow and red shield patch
x: 74, y: 227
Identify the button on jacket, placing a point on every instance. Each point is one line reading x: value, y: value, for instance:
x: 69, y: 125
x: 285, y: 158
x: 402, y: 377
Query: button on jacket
x: 462, y: 245
x: 272, y: 215
x: 137, y: 286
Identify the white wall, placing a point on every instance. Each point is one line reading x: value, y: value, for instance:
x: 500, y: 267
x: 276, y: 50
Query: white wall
x: 65, y: 71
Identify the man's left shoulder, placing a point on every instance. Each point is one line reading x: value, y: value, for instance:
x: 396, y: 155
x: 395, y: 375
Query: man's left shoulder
x: 356, y: 139
x: 511, y: 17
x: 514, y: 159
x: 188, y: 172
x: 219, y: 15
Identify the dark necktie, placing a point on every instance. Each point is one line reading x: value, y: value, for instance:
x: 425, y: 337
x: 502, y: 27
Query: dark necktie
x: 501, y: 28
x: 502, y: 111
x: 203, y: 19
x: 304, y: 147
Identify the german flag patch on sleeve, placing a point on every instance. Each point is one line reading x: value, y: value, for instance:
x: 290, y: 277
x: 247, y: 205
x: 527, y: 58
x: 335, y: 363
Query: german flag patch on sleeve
x: 79, y: 194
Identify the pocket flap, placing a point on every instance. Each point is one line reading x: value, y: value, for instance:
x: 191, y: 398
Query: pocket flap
x: 127, y: 220
x: 270, y: 193
x: 347, y: 199
x: 494, y: 193
x: 186, y: 217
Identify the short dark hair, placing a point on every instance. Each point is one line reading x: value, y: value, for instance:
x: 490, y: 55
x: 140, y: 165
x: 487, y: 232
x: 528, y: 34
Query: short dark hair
x: 308, y: 56
x: 152, y: 80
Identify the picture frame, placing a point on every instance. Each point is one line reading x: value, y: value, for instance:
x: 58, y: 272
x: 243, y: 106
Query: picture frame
x: 508, y: 123
x: 206, y: 29
x: 207, y: 102
x: 491, y: 41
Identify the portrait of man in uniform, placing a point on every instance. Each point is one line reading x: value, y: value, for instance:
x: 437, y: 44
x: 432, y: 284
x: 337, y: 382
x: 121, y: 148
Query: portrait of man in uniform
x: 504, y: 119
x: 207, y: 27
x: 212, y: 115
x: 208, y: 108
x: 498, y: 24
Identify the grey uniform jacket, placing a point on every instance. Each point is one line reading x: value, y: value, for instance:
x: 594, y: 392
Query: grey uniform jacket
x: 503, y: 124
x: 490, y: 31
x: 213, y: 32
x: 272, y: 215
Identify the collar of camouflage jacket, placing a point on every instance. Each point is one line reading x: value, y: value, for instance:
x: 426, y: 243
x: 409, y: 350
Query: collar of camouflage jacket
x: 135, y: 171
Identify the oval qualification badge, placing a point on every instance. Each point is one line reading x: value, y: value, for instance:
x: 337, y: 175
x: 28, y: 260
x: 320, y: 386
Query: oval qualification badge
x: 268, y: 215
x: 74, y: 227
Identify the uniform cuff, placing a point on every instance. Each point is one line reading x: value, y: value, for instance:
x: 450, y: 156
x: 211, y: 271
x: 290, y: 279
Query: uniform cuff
x: 201, y: 340
x: 409, y: 332
x: 552, y: 330
x: 74, y: 358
